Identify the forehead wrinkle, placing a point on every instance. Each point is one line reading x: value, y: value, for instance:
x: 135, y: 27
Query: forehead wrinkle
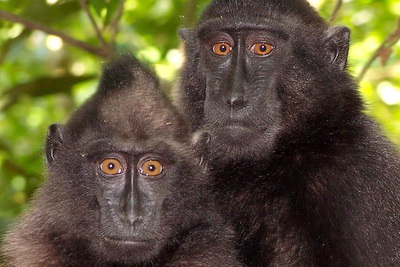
x: 266, y: 25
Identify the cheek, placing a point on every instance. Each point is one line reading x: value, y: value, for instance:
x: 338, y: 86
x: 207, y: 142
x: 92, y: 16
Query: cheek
x: 214, y: 65
x: 109, y: 203
x: 154, y: 194
x: 262, y: 77
x: 217, y: 82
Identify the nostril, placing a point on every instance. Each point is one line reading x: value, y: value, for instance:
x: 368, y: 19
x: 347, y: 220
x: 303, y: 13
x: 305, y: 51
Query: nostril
x: 236, y: 102
x: 134, y: 220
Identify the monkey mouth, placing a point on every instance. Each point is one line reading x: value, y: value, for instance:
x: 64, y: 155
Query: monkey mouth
x: 233, y: 125
x: 233, y: 132
x: 127, y: 241
x: 238, y: 127
x: 236, y: 133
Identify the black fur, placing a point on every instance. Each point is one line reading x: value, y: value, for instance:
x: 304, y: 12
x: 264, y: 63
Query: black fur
x: 303, y: 174
x: 70, y: 221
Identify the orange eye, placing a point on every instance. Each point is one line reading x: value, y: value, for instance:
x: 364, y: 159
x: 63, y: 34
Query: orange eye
x: 151, y: 168
x: 111, y: 166
x: 222, y: 49
x: 262, y: 49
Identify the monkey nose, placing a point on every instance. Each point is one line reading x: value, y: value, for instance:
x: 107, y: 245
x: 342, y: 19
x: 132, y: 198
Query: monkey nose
x: 133, y: 217
x: 236, y: 102
x: 132, y: 220
x: 132, y: 210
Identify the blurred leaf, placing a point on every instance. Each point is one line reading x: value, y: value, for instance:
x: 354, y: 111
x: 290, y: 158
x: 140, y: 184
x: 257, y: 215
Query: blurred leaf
x: 5, y: 146
x: 98, y: 6
x: 112, y: 6
x: 10, y: 43
x: 47, y: 85
x: 40, y: 11
x: 41, y: 87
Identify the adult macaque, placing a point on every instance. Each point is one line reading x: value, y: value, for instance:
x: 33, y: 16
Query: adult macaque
x: 304, y: 175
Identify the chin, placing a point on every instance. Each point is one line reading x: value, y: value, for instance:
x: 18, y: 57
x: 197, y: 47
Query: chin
x: 236, y: 135
x: 237, y: 142
x: 129, y: 251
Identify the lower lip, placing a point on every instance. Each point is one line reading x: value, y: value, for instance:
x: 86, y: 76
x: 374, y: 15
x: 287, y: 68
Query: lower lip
x: 238, y: 128
x: 127, y: 242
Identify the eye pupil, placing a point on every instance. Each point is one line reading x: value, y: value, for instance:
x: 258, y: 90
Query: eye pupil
x: 150, y: 168
x: 262, y: 49
x: 221, y: 49
x: 111, y: 166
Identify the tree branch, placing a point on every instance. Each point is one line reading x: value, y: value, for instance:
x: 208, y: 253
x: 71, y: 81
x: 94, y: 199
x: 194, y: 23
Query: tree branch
x: 383, y: 50
x: 85, y: 8
x: 190, y: 12
x: 336, y: 10
x: 66, y: 38
x: 17, y: 169
x: 115, y: 21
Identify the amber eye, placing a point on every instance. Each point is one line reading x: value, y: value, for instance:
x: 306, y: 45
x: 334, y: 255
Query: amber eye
x: 262, y: 49
x: 151, y: 168
x: 111, y: 166
x: 222, y: 49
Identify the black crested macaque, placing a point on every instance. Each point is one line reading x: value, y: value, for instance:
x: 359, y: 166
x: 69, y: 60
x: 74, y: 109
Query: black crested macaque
x: 304, y: 175
x: 124, y: 186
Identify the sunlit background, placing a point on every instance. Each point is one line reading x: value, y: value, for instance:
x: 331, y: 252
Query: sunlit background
x: 43, y: 79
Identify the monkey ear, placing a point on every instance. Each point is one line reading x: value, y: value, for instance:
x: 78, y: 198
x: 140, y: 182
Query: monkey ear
x: 201, y: 141
x: 337, y: 46
x: 186, y: 34
x: 53, y: 143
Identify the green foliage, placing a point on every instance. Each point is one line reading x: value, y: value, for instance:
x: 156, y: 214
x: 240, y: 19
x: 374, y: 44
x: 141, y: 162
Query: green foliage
x: 43, y: 79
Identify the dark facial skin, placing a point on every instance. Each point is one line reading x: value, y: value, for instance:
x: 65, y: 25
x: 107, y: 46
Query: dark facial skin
x: 241, y: 67
x: 306, y: 178
x: 124, y: 188
x: 132, y: 197
x: 133, y: 186
x: 241, y: 94
x: 136, y: 187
